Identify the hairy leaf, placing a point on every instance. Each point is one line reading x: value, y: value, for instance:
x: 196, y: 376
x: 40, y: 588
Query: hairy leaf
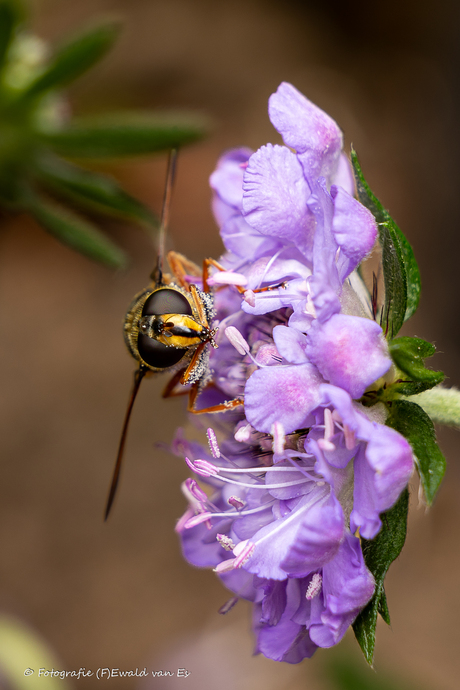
x: 414, y: 424
x: 409, y: 354
x: 400, y: 269
x: 379, y: 554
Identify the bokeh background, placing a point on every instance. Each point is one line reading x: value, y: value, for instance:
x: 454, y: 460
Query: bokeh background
x: 119, y: 594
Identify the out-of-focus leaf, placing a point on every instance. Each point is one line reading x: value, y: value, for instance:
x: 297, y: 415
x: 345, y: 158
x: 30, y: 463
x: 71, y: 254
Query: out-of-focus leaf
x: 125, y: 134
x: 76, y: 232
x: 93, y: 190
x: 73, y: 59
x: 414, y: 424
x: 400, y: 269
x: 379, y: 554
x: 409, y: 354
x: 346, y: 673
x: 11, y: 13
x: 22, y: 654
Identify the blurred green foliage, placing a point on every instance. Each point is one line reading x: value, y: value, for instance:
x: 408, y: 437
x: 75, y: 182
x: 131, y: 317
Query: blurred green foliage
x: 38, y: 134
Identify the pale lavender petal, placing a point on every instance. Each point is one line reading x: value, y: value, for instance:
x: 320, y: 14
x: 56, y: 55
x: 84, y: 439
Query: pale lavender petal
x: 243, y: 241
x: 382, y: 470
x: 306, y: 128
x: 285, y: 394
x: 349, y: 351
x: 354, y: 228
x: 325, y: 283
x: 317, y: 539
x: 291, y: 344
x: 344, y: 176
x: 274, y: 601
x: 227, y: 178
x: 347, y: 588
x: 300, y: 542
x: 275, y: 195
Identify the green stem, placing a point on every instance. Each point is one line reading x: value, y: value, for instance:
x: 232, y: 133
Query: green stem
x: 441, y: 404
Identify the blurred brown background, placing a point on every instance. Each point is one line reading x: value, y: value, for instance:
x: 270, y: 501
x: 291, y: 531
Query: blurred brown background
x: 119, y: 594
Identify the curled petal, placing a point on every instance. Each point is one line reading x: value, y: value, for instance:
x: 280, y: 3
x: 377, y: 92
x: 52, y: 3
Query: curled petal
x: 227, y: 178
x: 306, y: 128
x: 291, y: 344
x: 354, y: 228
x: 347, y: 587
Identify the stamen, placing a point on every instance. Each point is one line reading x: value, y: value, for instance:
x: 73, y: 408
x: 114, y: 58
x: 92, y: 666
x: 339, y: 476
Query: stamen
x: 225, y: 566
x: 228, y: 605
x: 243, y: 551
x: 202, y: 467
x: 250, y: 298
x: 182, y: 521
x: 326, y: 445
x: 279, y: 439
x: 237, y: 340
x: 328, y: 425
x: 195, y: 490
x: 225, y: 542
x: 336, y: 417
x: 213, y: 443
x: 227, y: 278
x: 314, y: 588
x: 236, y: 502
x: 350, y: 441
x: 197, y: 520
x: 243, y: 434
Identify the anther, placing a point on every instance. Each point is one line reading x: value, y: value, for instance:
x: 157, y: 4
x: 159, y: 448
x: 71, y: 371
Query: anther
x: 225, y: 542
x: 236, y: 502
x: 314, y: 587
x: 212, y: 440
x: 237, y: 340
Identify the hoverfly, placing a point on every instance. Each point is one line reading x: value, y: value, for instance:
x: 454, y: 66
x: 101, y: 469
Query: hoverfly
x: 168, y: 328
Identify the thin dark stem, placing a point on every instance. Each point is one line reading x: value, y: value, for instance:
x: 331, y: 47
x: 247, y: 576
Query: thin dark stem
x: 157, y: 273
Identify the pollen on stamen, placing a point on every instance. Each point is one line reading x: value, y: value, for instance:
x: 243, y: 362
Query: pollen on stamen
x: 202, y: 467
x: 314, y: 588
x: 213, y: 445
x: 225, y: 542
x: 236, y: 502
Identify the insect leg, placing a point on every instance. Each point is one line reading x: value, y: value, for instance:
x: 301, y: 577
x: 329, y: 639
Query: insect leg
x: 223, y: 407
x: 181, y: 267
x: 138, y: 376
x: 211, y: 262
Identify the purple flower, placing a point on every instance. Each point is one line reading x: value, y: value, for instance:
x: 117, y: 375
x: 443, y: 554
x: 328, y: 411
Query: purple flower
x: 306, y: 468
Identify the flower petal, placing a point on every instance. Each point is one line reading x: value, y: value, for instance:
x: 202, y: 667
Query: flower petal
x: 275, y: 195
x: 349, y: 351
x: 306, y: 128
x: 285, y: 394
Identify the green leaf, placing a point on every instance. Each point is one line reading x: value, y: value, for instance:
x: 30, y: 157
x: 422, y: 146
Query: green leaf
x: 76, y: 232
x: 73, y: 59
x: 400, y: 269
x: 125, y: 134
x: 414, y: 424
x: 409, y: 354
x: 93, y: 190
x: 11, y: 14
x: 379, y: 554
x: 442, y: 405
x: 383, y: 608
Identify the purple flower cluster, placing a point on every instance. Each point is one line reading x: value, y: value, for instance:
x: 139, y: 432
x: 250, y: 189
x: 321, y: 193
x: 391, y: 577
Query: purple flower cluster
x: 305, y: 469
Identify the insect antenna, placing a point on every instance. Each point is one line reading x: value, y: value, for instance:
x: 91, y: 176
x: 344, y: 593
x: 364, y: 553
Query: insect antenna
x: 138, y: 376
x: 157, y: 273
